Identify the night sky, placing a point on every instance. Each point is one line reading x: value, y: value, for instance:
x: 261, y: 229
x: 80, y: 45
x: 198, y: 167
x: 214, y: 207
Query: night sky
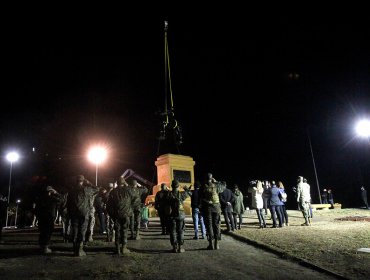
x: 246, y: 93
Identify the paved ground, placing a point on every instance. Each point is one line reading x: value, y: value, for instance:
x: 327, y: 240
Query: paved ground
x: 151, y: 258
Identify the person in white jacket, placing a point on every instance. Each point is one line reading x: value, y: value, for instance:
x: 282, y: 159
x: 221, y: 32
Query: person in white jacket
x: 304, y: 200
x: 257, y: 201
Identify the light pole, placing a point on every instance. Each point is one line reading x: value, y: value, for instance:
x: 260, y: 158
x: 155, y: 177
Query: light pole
x: 16, y: 213
x: 314, y: 165
x: 363, y: 130
x: 97, y: 155
x: 11, y: 157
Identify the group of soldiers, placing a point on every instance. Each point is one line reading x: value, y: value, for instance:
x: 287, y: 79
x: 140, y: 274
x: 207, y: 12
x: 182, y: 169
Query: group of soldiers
x: 170, y: 207
x: 123, y: 207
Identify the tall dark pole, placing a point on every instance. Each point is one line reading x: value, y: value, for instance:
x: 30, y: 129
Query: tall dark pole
x: 314, y: 165
x: 10, y: 182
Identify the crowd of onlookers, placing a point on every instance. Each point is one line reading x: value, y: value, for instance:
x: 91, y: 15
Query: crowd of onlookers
x: 122, y: 210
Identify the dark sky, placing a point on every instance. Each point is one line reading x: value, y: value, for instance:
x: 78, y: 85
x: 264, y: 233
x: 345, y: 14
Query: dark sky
x: 243, y: 115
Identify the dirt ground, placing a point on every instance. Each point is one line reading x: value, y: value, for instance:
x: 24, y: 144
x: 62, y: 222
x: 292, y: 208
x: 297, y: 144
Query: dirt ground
x: 329, y: 244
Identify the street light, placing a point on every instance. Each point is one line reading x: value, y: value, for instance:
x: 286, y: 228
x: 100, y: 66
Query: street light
x: 97, y: 155
x: 363, y: 129
x: 11, y: 157
x: 16, y: 213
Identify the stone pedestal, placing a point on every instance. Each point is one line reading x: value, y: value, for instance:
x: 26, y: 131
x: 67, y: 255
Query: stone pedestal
x: 179, y: 167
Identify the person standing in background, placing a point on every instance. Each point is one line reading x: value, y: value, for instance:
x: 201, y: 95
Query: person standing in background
x: 364, y: 197
x: 284, y: 199
x: 196, y: 214
x: 324, y: 196
x: 331, y: 198
x: 238, y: 207
x: 304, y: 199
x: 257, y: 190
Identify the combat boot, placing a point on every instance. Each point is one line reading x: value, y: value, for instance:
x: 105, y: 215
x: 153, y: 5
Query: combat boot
x: 137, y: 236
x: 75, y: 249
x: 180, y: 249
x: 45, y: 250
x: 210, y: 245
x: 81, y: 252
x: 216, y: 247
x: 174, y: 248
x: 124, y: 249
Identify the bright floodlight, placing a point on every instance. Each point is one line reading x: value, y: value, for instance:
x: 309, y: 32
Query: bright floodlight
x: 363, y: 128
x: 12, y: 157
x: 97, y: 155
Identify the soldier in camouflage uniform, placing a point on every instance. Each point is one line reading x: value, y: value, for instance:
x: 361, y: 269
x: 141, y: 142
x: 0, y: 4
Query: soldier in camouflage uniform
x: 120, y: 206
x: 91, y: 224
x: 175, y: 201
x: 304, y: 200
x: 79, y: 209
x: 211, y: 210
x: 135, y: 218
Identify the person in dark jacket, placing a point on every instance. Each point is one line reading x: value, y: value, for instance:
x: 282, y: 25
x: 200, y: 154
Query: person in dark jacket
x: 161, y: 206
x: 175, y: 200
x: 120, y: 205
x: 79, y: 210
x: 275, y: 205
x: 324, y: 196
x: 227, y: 200
x: 195, y: 211
x: 331, y: 198
x: 47, y: 204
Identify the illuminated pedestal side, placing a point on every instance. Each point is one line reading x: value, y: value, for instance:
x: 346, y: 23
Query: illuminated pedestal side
x: 179, y: 167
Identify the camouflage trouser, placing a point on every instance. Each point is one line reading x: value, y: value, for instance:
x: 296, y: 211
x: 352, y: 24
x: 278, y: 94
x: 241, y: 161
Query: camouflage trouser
x: 212, y: 219
x: 177, y: 226
x: 121, y: 230
x: 110, y: 228
x: 135, y: 223
x: 305, y: 208
x: 90, y: 229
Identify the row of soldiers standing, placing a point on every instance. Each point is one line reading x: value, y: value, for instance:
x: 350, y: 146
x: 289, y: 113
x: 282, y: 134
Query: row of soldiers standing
x: 123, y: 205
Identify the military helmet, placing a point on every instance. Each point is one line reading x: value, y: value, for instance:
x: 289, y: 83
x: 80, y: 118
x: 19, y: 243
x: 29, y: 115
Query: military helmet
x: 80, y: 178
x: 122, y: 181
